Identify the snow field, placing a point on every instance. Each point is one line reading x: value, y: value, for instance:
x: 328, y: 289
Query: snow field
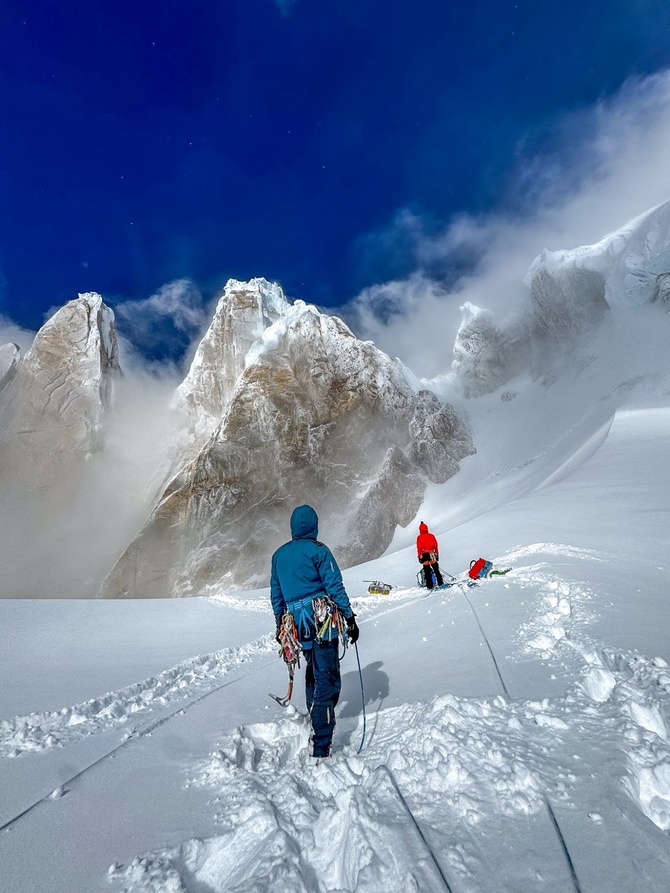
x: 478, y: 775
x: 42, y: 731
x: 456, y: 785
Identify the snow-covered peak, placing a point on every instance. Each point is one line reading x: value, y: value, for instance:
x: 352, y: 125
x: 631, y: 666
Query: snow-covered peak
x: 271, y: 338
x: 631, y: 259
x: 570, y: 293
x: 52, y: 407
x: 243, y: 313
x: 82, y: 334
x: 287, y: 405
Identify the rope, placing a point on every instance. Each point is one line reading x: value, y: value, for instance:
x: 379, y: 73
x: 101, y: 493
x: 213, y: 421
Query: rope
x: 488, y: 644
x: 409, y: 812
x: 557, y: 828
x: 360, y: 674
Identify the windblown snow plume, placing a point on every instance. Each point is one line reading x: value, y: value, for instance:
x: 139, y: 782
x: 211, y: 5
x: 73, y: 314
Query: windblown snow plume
x: 570, y: 295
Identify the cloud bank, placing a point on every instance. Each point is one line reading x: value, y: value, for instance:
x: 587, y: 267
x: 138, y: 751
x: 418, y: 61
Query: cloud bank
x: 609, y: 164
x: 164, y: 325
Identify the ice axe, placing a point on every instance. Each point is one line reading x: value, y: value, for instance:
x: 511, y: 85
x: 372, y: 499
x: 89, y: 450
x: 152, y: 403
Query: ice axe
x: 284, y: 702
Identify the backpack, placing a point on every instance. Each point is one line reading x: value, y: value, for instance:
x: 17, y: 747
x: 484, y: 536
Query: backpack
x: 479, y: 567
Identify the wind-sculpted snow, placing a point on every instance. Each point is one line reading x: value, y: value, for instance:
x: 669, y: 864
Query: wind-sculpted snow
x: 43, y: 731
x: 569, y: 295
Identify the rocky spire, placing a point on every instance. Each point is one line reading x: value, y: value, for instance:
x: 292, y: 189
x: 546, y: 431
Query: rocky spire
x: 306, y: 413
x: 52, y: 407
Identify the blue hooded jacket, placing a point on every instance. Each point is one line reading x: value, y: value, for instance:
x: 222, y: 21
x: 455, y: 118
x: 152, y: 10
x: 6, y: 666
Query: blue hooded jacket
x: 303, y: 569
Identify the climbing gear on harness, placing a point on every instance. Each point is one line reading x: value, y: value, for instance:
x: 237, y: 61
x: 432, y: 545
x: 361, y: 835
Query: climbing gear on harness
x: 328, y: 619
x: 287, y: 636
x: 289, y: 651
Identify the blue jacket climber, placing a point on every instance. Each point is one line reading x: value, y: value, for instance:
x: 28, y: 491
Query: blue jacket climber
x: 302, y: 570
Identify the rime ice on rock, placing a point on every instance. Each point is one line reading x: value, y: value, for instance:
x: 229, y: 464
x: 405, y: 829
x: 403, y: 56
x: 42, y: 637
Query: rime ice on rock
x: 287, y: 406
x: 52, y: 406
x: 243, y: 313
x: 570, y: 294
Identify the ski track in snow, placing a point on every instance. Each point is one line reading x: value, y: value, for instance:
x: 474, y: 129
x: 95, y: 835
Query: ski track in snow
x: 43, y: 731
x: 469, y: 771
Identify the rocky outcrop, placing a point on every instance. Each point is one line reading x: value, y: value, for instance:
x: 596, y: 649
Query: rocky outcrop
x: 52, y: 402
x: 314, y: 415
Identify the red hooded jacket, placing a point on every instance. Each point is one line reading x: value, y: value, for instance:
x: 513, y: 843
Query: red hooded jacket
x: 425, y: 541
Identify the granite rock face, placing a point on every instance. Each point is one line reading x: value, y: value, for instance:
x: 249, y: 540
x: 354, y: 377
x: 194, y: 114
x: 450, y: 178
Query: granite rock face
x: 52, y: 401
x: 243, y: 313
x: 306, y: 413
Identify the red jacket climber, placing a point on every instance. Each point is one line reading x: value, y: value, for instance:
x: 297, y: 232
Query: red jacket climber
x: 426, y: 542
x: 428, y: 554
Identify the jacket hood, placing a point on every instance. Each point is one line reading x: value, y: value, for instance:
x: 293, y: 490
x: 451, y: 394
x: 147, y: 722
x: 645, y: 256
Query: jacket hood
x: 423, y: 528
x: 304, y: 523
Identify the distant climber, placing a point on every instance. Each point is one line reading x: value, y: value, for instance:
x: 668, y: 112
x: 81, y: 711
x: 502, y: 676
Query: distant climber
x: 429, y: 554
x: 306, y: 585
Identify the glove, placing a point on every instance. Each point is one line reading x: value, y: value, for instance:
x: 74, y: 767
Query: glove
x: 352, y: 629
x: 277, y: 634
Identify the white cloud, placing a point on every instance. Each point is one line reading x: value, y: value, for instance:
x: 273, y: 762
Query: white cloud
x: 11, y: 331
x: 175, y: 314
x: 614, y: 165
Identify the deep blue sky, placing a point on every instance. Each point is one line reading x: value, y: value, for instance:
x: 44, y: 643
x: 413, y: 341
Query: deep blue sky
x: 145, y: 141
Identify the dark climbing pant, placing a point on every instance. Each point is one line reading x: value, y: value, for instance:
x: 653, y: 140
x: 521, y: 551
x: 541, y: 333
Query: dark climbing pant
x: 429, y: 570
x: 322, y: 691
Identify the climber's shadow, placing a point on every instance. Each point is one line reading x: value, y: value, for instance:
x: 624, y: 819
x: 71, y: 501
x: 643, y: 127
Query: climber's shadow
x: 376, y: 687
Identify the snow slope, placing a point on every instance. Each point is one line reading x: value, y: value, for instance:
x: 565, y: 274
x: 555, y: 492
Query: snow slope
x: 517, y: 733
